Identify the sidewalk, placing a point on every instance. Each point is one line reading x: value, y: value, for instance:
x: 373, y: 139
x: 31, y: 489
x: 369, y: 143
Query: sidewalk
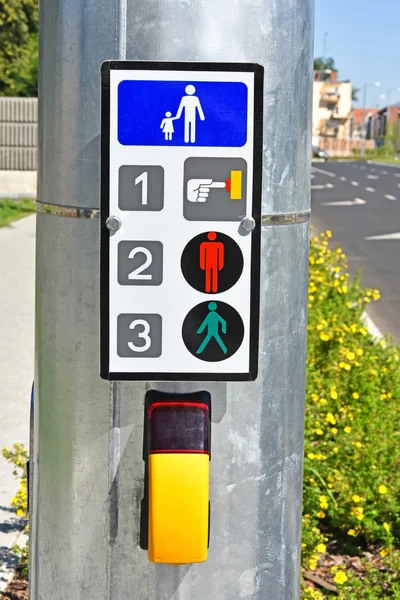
x: 17, y: 258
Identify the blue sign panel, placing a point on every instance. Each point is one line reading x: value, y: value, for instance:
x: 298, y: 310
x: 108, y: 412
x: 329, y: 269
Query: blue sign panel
x: 179, y: 113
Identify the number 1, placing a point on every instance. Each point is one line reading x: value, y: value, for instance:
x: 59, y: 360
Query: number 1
x: 143, y: 179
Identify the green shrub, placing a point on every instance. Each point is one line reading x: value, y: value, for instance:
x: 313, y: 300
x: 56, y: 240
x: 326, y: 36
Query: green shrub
x: 351, y: 475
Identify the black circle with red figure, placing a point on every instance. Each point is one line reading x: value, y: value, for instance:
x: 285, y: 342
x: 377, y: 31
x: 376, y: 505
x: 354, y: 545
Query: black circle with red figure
x: 212, y: 262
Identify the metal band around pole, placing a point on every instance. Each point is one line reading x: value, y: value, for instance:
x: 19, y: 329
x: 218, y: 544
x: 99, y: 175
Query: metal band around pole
x: 94, y: 214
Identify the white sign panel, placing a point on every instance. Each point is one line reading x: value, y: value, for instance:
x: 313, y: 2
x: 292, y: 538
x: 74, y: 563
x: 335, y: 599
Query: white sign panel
x: 181, y: 183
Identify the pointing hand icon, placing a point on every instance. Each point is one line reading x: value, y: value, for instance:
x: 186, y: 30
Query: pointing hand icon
x: 198, y: 189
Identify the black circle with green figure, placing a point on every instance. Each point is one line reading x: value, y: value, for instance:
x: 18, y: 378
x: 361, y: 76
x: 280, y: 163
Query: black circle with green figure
x: 213, y: 331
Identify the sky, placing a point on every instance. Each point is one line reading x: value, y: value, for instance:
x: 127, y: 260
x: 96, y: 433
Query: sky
x: 364, y: 39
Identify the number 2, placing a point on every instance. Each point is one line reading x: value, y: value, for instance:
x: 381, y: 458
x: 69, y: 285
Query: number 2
x: 143, y: 335
x: 137, y: 273
x: 143, y: 179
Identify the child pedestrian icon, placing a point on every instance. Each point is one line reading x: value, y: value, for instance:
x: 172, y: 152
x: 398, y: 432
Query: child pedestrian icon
x: 167, y: 125
x: 212, y: 322
x: 213, y: 331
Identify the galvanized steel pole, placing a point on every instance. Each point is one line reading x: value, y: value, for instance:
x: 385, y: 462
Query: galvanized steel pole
x: 88, y: 434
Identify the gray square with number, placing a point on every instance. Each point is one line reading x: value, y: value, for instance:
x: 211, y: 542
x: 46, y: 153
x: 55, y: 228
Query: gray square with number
x: 214, y: 189
x: 140, y: 263
x: 141, y: 188
x: 139, y: 335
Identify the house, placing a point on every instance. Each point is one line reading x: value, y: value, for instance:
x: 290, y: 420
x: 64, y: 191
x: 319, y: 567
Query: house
x: 331, y: 106
x: 367, y: 116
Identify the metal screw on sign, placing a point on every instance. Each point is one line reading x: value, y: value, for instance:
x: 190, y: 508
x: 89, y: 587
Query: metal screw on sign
x: 113, y: 223
x: 248, y: 223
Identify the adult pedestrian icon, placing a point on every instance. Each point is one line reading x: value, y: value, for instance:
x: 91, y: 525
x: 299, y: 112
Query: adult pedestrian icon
x: 212, y: 323
x: 212, y: 260
x: 213, y: 331
x: 191, y: 108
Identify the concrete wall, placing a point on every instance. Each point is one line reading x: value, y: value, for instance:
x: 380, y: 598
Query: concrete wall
x: 18, y: 134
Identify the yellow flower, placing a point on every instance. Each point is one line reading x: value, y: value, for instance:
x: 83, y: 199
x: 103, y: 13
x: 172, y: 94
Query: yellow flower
x: 311, y: 455
x: 356, y: 396
x: 330, y: 419
x: 321, y: 514
x: 363, y: 331
x: 347, y: 429
x: 324, y: 337
x: 328, y: 233
x: 321, y: 548
x: 347, y: 367
x: 336, y: 449
x: 383, y: 396
x: 323, y: 401
x: 358, y: 445
x: 360, y: 517
x: 349, y: 304
x: 342, y: 365
x: 334, y: 430
x: 320, y: 326
x: 383, y: 343
x: 383, y: 489
x: 360, y: 352
x: 356, y: 498
x: 350, y: 356
x: 386, y: 526
x: 340, y: 578
x: 323, y: 502
x: 351, y: 532
x: 384, y: 552
x: 319, y: 431
x: 312, y: 565
x: 333, y: 394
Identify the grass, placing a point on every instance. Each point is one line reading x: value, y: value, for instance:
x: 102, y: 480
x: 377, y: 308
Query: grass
x: 12, y: 210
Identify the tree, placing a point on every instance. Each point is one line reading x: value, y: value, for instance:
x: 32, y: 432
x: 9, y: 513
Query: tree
x: 324, y: 64
x: 19, y: 29
x: 354, y: 94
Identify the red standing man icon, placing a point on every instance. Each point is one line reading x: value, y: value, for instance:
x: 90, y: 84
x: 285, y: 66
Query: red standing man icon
x: 212, y: 261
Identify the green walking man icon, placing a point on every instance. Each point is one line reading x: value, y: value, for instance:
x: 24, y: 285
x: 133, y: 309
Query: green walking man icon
x: 212, y: 322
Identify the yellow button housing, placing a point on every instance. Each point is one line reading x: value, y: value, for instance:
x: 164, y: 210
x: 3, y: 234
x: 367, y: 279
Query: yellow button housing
x: 178, y: 507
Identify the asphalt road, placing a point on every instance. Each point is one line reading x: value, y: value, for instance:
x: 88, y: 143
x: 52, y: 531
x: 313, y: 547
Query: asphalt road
x: 360, y: 204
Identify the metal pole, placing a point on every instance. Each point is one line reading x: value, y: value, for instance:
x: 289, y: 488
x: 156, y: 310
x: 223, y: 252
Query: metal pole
x: 88, y: 434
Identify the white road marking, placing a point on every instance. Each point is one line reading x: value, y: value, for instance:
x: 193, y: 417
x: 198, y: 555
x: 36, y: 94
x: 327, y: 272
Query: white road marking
x: 344, y: 179
x: 397, y: 175
x: 312, y: 176
x: 398, y: 185
x: 355, y: 202
x: 369, y: 189
x: 384, y: 172
x: 389, y: 197
x: 386, y: 236
x: 372, y: 328
x: 322, y: 186
x: 355, y: 183
x: 324, y: 172
x: 372, y: 176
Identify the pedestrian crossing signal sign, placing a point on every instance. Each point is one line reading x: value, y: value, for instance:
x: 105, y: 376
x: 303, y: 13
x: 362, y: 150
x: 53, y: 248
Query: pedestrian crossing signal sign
x: 181, y: 175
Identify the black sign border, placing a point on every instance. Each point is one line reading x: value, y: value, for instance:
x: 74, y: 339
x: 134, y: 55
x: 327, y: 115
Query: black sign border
x: 106, y: 69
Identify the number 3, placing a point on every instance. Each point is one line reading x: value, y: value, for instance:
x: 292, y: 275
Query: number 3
x: 143, y: 334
